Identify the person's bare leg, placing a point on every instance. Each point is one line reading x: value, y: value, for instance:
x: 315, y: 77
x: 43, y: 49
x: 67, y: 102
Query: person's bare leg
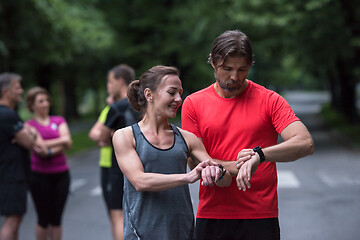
x: 10, y: 228
x: 55, y: 232
x: 116, y: 217
x: 41, y: 232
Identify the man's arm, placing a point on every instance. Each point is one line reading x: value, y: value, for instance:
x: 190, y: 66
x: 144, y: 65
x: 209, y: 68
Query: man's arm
x: 297, y: 144
x: 99, y: 127
x: 106, y: 130
x: 26, y: 137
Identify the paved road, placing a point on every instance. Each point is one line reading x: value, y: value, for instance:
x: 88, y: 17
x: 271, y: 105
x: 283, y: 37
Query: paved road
x: 322, y: 201
x: 319, y: 195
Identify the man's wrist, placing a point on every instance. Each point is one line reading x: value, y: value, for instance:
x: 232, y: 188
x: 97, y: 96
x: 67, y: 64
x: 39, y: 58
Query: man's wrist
x: 259, y: 151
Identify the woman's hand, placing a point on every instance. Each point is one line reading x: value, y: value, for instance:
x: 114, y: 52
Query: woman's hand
x: 40, y: 148
x: 209, y: 172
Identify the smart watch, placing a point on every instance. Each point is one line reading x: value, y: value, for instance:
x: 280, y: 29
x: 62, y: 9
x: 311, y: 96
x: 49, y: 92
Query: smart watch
x: 260, y: 152
x: 222, y: 170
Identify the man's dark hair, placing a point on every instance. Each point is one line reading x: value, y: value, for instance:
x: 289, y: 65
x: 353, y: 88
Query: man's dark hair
x: 125, y: 72
x: 6, y: 79
x: 231, y: 44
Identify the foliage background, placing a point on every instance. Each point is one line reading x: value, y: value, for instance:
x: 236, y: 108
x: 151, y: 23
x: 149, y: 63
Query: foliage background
x: 67, y: 46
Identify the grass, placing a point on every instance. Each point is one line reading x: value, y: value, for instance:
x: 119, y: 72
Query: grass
x: 338, y: 122
x: 81, y: 142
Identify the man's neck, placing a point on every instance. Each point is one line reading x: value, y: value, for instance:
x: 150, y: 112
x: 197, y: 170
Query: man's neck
x: 123, y: 94
x: 7, y: 103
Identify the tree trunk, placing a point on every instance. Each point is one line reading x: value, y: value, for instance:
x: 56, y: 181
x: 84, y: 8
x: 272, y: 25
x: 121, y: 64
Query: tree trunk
x: 347, y: 91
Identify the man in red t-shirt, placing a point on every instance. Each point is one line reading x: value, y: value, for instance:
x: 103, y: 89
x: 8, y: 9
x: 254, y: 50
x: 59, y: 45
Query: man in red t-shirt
x: 239, y: 122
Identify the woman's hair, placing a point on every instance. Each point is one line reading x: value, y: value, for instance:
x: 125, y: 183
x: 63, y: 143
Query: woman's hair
x: 150, y: 79
x: 31, y: 96
x: 231, y: 44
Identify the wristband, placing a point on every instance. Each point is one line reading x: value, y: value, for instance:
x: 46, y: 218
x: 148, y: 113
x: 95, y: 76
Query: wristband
x: 50, y: 153
x: 260, y: 152
x: 223, y: 171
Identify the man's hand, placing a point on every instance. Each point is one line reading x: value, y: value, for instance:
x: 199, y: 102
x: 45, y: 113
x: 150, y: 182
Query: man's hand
x: 243, y: 156
x: 246, y: 171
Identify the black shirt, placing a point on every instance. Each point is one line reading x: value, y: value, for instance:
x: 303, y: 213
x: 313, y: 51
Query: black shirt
x: 120, y: 115
x: 14, y: 159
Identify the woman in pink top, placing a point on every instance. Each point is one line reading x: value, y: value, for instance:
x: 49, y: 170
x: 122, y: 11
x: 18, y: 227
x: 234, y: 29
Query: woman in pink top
x: 50, y: 180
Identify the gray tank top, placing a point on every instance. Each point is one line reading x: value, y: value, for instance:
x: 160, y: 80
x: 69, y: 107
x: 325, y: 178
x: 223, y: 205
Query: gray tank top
x: 165, y: 215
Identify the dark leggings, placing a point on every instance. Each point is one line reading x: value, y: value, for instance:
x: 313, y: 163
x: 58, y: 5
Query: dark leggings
x: 49, y: 192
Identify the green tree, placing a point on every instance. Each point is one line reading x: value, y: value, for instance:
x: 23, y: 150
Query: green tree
x: 52, y: 42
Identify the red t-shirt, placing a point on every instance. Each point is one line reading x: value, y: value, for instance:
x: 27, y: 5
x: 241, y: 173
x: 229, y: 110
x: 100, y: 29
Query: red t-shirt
x: 226, y: 126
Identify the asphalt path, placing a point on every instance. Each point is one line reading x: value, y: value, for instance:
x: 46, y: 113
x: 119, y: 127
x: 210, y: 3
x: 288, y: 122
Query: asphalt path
x: 319, y: 196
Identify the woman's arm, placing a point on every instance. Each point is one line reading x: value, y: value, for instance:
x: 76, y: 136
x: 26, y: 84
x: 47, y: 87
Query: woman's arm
x: 131, y: 166
x: 198, y: 154
x: 63, y: 142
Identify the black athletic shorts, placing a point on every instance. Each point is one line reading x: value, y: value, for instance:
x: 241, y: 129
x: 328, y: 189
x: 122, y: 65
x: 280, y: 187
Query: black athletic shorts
x: 237, y: 229
x: 115, y: 189
x: 105, y: 184
x: 13, y: 198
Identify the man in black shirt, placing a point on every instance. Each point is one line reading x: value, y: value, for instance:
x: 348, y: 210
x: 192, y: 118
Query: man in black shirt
x: 120, y: 115
x: 15, y: 141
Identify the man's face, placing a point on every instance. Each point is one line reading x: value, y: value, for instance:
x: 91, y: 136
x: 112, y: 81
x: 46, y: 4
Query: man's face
x: 113, y: 85
x: 15, y: 91
x: 231, y: 76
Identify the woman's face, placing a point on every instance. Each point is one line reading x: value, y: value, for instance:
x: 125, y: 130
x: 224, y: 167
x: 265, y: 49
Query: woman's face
x: 41, y: 104
x: 167, y: 98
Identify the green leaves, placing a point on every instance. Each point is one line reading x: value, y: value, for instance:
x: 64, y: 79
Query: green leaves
x: 76, y: 27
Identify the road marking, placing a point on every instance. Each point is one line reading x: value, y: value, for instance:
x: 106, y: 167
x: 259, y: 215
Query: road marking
x: 338, y: 179
x: 77, y: 183
x: 96, y: 191
x: 287, y: 179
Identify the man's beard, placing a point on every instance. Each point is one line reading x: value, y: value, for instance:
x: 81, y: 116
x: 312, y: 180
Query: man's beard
x: 230, y: 85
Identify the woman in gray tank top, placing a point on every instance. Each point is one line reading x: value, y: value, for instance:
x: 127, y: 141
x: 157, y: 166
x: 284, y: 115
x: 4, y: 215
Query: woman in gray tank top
x: 153, y: 154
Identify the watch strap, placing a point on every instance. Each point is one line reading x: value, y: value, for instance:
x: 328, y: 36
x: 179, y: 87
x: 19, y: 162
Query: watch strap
x: 260, y: 152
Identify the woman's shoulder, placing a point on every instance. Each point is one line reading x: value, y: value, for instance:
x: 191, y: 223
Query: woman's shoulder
x: 57, y: 119
x: 124, y: 136
x: 31, y: 122
x: 188, y: 136
x: 124, y: 132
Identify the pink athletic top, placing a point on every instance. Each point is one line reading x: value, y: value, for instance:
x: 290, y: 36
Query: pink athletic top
x: 56, y: 163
